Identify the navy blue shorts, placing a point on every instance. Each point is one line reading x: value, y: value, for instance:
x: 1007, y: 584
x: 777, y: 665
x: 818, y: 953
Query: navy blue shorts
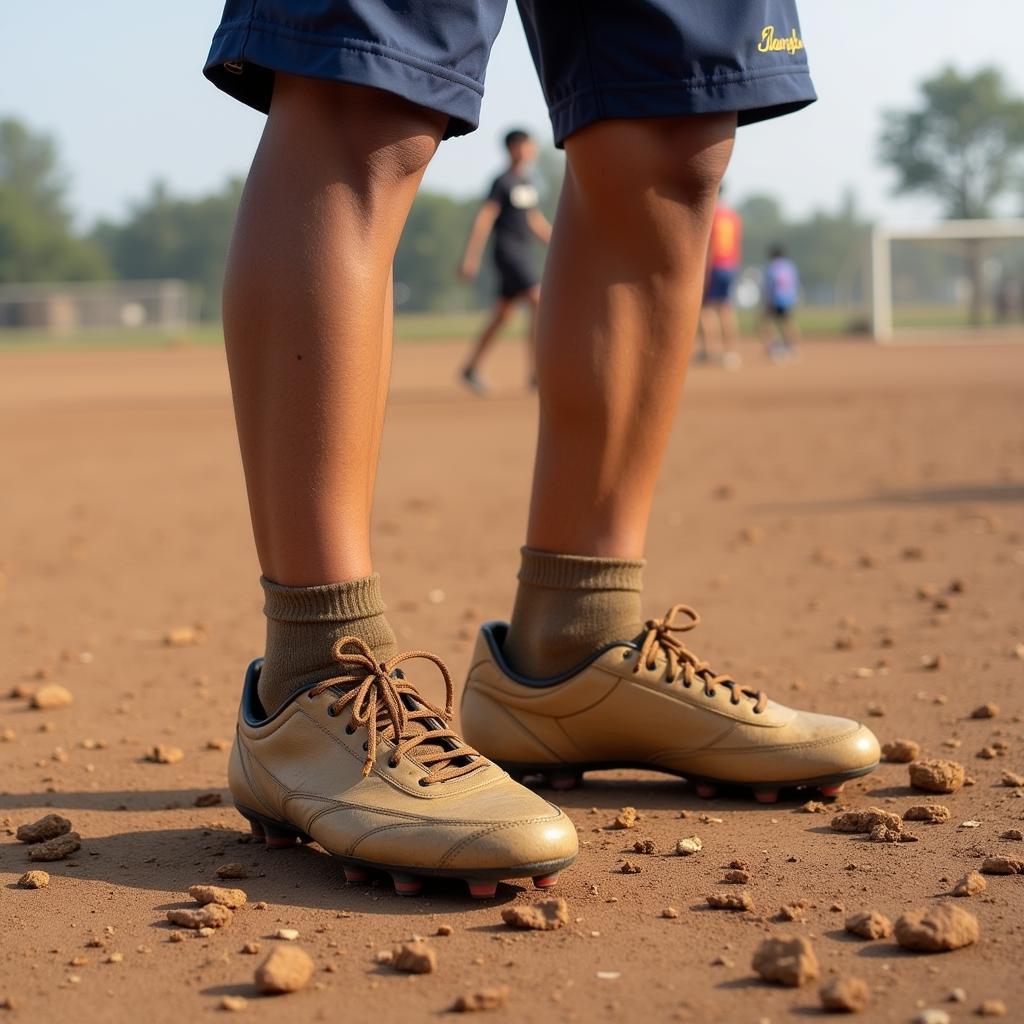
x: 515, y: 277
x: 597, y: 59
x: 719, y: 287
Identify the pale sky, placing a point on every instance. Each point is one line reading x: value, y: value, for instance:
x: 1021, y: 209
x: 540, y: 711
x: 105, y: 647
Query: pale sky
x: 118, y: 83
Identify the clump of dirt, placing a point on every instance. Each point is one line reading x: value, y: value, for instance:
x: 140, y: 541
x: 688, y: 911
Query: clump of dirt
x: 56, y: 849
x: 736, y: 876
x: 213, y: 915
x: 670, y: 913
x: 542, y: 916
x: 937, y: 929
x: 992, y: 1008
x: 414, y: 958
x: 626, y: 818
x: 34, y: 880
x: 51, y: 696
x: 482, y: 999
x: 845, y: 995
x: 970, y: 885
x: 48, y: 827
x: 730, y: 901
x: 936, y: 775
x: 230, y: 898
x: 1002, y: 866
x: 869, y: 924
x: 1014, y: 834
x: 793, y: 911
x: 985, y: 711
x: 645, y: 846
x: 629, y: 867
x: 786, y: 961
x: 934, y: 813
x: 163, y: 754
x: 866, y: 820
x: 286, y: 969
x: 814, y: 807
x: 689, y: 846
x: 1012, y: 779
x: 901, y: 751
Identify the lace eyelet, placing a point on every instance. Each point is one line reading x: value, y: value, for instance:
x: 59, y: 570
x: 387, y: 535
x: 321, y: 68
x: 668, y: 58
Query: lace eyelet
x: 626, y: 655
x: 331, y: 713
x: 711, y: 693
x: 392, y: 763
x: 349, y: 729
x: 366, y: 746
x: 424, y: 783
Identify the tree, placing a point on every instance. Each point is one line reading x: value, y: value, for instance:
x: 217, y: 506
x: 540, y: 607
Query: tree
x: 37, y: 240
x: 962, y: 144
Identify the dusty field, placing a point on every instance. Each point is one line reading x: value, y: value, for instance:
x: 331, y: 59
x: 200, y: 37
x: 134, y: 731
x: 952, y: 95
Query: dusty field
x: 799, y: 507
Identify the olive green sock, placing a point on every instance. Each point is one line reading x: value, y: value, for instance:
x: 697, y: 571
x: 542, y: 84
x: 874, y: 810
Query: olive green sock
x: 304, y: 624
x: 567, y: 606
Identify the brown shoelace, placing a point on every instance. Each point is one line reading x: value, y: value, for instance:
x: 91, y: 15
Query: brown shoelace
x: 682, y: 661
x: 376, y: 699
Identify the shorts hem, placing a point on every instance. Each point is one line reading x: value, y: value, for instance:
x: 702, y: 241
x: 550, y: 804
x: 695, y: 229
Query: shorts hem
x: 246, y: 54
x: 753, y: 96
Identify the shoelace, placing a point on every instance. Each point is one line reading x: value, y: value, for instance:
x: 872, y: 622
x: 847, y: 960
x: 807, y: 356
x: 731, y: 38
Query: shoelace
x: 376, y: 700
x: 659, y: 636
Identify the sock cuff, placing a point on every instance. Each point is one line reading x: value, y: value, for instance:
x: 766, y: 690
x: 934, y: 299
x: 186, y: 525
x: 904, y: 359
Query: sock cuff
x: 330, y: 602
x: 580, y: 572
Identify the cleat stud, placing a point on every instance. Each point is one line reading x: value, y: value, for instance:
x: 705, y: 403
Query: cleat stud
x: 766, y: 796
x: 706, y: 791
x: 545, y: 881
x: 481, y: 889
x: 279, y: 838
x: 407, y: 885
x: 355, y: 874
x: 563, y: 780
x: 257, y: 831
x: 834, y: 790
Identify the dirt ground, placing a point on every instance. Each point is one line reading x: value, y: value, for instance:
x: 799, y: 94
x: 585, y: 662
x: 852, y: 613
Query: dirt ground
x: 816, y: 515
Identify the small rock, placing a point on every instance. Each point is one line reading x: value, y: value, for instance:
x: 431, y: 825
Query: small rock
x: 51, y: 696
x: 251, y: 948
x: 204, y: 894
x: 34, y: 880
x: 630, y: 868
x: 869, y: 924
x: 814, y: 807
x: 482, y: 999
x: 286, y: 969
x: 57, y: 848
x: 931, y: 1017
x: 287, y: 934
x: 970, y: 885
x: 730, y: 901
x: 232, y: 871
x: 937, y: 775
x: 183, y: 636
x: 932, y: 662
x: 735, y: 876
x: 626, y: 818
x: 901, y: 751
x: 937, y: 929
x: 992, y: 1008
x: 985, y: 711
x: 793, y: 911
x: 234, y: 1004
x: 957, y: 995
x: 543, y: 916
x: 689, y: 846
x: 415, y: 958
x: 48, y: 827
x: 645, y: 846
x: 786, y: 961
x: 866, y: 820
x: 845, y: 995
x: 935, y: 813
x: 1014, y: 834
x: 1012, y: 779
x: 1002, y: 866
x: 884, y: 834
x: 669, y: 912
x: 162, y: 754
x: 445, y: 930
x: 211, y: 916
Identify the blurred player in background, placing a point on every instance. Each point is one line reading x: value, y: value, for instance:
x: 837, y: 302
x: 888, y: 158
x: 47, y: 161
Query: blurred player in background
x: 781, y: 292
x: 718, y: 326
x: 511, y: 210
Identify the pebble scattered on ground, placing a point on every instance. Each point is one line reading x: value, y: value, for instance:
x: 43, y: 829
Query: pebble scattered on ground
x: 901, y: 751
x: 34, y: 880
x: 970, y: 885
x: 56, y: 849
x: 937, y: 929
x: 786, y: 961
x: 543, y: 916
x: 50, y: 697
x: 48, y: 827
x: 414, y: 958
x: 286, y: 969
x: 730, y: 901
x: 482, y: 999
x: 935, y: 813
x: 845, y: 995
x: 869, y: 924
x: 937, y: 775
x: 211, y: 916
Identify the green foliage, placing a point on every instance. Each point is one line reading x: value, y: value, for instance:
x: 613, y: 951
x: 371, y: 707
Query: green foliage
x: 962, y: 144
x: 37, y: 242
x: 169, y: 236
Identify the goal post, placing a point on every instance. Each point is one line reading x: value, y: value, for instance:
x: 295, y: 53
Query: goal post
x: 881, y: 258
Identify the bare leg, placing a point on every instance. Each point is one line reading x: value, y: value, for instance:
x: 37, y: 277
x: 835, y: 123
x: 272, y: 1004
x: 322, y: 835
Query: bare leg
x: 618, y: 310
x: 307, y: 317
x: 500, y: 315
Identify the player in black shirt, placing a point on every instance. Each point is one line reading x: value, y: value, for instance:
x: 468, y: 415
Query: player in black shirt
x: 511, y: 211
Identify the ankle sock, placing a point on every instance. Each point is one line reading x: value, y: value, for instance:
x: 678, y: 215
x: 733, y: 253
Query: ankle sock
x: 567, y: 606
x: 303, y: 625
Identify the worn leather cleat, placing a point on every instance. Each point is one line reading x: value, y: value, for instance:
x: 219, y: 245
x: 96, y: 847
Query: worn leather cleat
x: 653, y: 703
x: 364, y: 766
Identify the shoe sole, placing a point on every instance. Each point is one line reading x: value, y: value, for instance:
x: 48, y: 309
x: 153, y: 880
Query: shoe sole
x: 566, y: 776
x: 408, y: 880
